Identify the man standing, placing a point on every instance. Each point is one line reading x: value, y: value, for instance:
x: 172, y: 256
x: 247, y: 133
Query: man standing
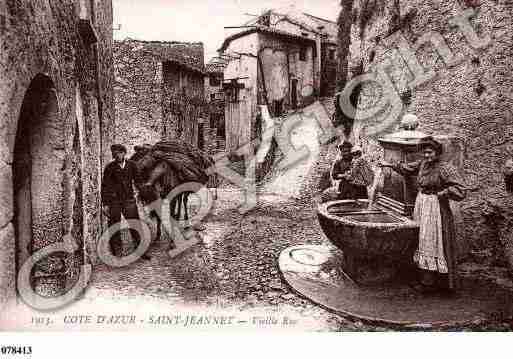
x: 341, y: 167
x: 118, y: 194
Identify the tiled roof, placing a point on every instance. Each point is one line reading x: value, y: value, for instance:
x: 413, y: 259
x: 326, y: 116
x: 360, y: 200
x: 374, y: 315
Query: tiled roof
x: 308, y: 21
x: 189, y: 55
x: 330, y: 27
x: 215, y: 65
x: 261, y: 29
x: 211, y: 68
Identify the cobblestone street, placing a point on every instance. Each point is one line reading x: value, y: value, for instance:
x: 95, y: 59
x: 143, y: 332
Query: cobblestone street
x: 235, y: 265
x: 238, y: 167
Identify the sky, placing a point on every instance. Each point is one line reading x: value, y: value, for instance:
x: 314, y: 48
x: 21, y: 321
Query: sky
x: 200, y: 20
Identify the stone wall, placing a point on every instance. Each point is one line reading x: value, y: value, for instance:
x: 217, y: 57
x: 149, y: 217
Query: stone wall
x: 215, y: 128
x: 467, y: 95
x: 214, y: 86
x: 215, y: 135
x: 57, y: 114
x: 138, y: 94
x: 183, y: 102
x: 160, y: 94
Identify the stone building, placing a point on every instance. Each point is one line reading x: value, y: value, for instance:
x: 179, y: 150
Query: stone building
x: 56, y: 111
x: 214, y: 80
x: 449, y: 63
x: 282, y: 60
x: 160, y: 93
x: 215, y: 137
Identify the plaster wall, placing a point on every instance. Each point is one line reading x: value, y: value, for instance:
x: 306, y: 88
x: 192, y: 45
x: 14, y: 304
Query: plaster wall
x: 279, y: 72
x: 240, y: 112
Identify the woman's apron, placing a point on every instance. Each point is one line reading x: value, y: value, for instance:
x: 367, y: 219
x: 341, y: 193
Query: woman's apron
x: 430, y: 253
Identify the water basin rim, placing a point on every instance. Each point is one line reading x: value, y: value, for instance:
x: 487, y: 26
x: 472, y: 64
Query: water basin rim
x: 322, y: 210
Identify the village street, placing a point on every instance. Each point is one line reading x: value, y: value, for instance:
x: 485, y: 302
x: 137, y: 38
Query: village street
x: 359, y: 155
x: 235, y: 266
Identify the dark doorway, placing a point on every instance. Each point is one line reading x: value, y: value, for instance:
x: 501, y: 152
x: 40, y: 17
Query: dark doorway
x: 278, y: 107
x: 38, y: 161
x: 201, y: 138
x: 293, y: 94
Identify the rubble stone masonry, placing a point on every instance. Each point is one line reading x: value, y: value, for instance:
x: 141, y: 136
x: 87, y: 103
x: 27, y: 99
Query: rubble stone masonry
x: 160, y: 94
x: 56, y: 120
x: 138, y: 94
x: 469, y: 97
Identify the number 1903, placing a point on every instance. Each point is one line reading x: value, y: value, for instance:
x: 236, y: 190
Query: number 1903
x: 12, y: 350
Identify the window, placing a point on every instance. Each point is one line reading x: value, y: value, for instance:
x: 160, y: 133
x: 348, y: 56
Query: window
x: 332, y: 54
x: 372, y: 55
x: 179, y: 128
x: 265, y: 20
x: 278, y: 107
x: 232, y: 94
x: 221, y: 132
x: 85, y: 9
x: 184, y: 80
x: 302, y: 54
x: 213, y: 120
x: 212, y: 96
x: 86, y: 18
x: 214, y: 80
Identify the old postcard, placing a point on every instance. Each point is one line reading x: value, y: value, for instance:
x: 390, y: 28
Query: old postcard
x: 255, y: 166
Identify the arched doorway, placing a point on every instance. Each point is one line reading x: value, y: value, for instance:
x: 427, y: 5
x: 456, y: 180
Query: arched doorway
x: 38, y: 165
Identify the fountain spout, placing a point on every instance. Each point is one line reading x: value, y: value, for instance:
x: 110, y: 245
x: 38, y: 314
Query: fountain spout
x: 376, y: 186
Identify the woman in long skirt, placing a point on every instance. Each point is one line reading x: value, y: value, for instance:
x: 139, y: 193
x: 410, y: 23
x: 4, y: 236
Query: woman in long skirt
x: 438, y: 183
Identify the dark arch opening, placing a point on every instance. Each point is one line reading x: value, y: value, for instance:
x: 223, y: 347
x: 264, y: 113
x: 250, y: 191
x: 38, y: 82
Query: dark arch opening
x: 38, y: 160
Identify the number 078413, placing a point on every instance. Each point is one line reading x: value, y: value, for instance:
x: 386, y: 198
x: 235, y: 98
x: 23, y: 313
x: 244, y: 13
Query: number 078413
x: 15, y: 350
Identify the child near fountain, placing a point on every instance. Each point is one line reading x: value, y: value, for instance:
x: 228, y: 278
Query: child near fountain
x: 357, y: 178
x: 438, y: 183
x: 341, y: 166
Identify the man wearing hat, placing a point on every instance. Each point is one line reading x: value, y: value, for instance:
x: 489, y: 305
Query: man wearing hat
x: 353, y: 172
x: 118, y: 194
x: 342, y: 166
x: 359, y: 177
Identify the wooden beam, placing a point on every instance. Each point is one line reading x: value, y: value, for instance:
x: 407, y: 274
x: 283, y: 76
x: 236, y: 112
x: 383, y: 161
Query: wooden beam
x: 240, y: 27
x: 261, y: 67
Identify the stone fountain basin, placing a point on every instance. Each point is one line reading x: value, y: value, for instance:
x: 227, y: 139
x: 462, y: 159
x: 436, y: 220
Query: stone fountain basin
x: 375, y: 242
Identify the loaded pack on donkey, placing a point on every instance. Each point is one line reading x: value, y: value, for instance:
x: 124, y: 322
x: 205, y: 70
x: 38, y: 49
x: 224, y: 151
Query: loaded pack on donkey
x: 166, y: 171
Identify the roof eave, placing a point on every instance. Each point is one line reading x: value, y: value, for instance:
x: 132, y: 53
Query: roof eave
x: 185, y: 66
x: 228, y: 40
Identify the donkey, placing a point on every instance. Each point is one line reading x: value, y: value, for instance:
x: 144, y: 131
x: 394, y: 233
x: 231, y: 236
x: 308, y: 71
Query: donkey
x: 156, y: 179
